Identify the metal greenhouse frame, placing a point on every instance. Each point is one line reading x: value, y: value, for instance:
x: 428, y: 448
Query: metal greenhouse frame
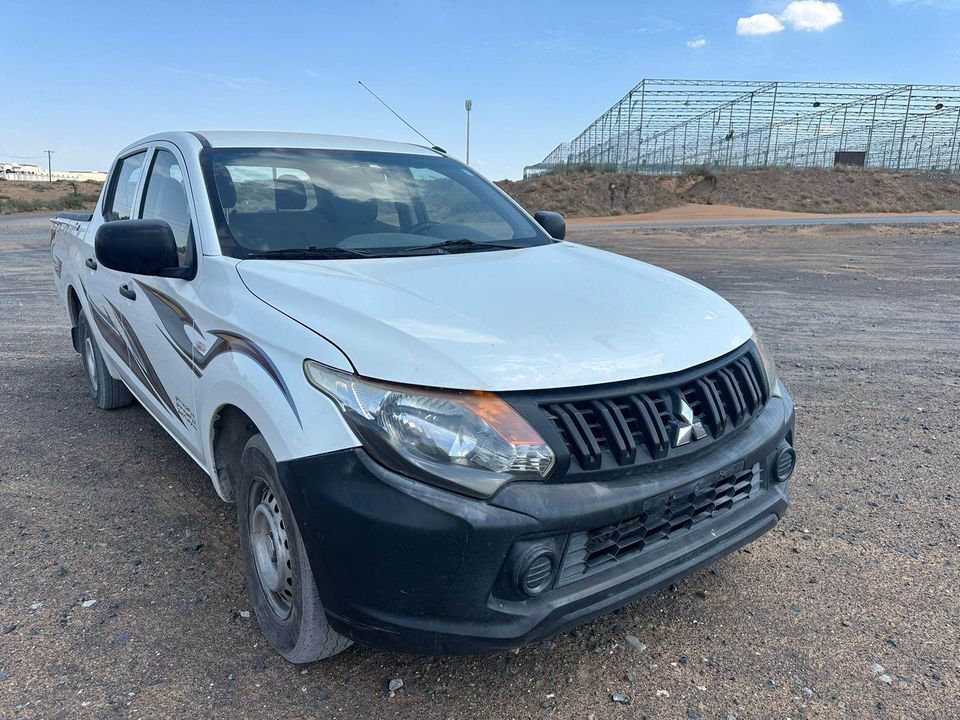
x: 664, y: 126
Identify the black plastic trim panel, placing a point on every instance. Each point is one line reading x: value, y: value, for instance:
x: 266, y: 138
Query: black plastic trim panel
x: 629, y: 427
x: 78, y: 217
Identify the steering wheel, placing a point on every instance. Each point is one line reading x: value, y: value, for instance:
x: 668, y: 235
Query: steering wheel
x: 420, y: 228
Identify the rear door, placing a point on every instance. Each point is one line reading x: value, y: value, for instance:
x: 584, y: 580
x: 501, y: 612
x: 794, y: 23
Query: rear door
x: 162, y: 334
x: 100, y: 284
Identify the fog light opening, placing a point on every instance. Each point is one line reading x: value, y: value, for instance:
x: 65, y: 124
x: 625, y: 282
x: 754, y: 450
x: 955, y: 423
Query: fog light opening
x: 536, y: 572
x: 784, y: 462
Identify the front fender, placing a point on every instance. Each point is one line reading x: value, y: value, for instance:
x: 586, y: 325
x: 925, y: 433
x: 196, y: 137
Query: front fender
x: 294, y: 418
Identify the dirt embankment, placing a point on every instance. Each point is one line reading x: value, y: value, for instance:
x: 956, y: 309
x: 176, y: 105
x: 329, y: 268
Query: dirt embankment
x: 817, y: 190
x: 592, y: 194
x: 28, y: 196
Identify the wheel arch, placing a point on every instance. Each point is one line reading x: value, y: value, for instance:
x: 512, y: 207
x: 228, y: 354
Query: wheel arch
x: 230, y: 430
x: 74, y: 307
x: 74, y: 310
x: 295, y: 419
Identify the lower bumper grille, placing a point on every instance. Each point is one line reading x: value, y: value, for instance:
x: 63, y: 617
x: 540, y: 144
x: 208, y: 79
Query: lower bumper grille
x: 665, y: 517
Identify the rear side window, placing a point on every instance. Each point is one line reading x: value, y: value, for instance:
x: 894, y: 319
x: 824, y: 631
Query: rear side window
x: 165, y: 198
x: 124, y: 187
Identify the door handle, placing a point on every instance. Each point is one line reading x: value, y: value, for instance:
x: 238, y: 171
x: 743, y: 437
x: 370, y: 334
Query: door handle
x: 90, y: 263
x: 128, y: 292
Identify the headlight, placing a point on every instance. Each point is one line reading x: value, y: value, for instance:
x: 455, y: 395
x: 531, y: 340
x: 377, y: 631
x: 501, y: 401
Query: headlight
x: 472, y: 442
x: 769, y: 368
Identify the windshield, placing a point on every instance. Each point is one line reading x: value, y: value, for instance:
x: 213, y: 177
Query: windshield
x: 289, y: 203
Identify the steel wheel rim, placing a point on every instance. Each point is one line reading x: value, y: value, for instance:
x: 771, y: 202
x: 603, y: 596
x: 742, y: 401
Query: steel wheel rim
x: 90, y: 362
x: 271, y: 550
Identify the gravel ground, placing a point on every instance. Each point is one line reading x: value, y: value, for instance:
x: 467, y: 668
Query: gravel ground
x: 121, y: 592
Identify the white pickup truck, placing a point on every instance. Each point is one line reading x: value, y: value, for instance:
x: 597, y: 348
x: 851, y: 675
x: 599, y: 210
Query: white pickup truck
x: 445, y: 429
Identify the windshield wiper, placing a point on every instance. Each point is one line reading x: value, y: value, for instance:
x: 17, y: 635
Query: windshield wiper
x: 459, y: 245
x: 307, y: 253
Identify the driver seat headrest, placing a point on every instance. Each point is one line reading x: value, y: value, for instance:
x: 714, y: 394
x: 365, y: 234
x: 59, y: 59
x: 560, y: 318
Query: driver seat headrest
x: 225, y: 187
x: 348, y: 211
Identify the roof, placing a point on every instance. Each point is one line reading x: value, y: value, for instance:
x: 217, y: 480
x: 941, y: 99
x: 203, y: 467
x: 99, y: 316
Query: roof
x: 258, y: 138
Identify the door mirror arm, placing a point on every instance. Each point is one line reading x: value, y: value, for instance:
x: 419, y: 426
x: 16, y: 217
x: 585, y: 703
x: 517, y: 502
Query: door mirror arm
x: 182, y: 273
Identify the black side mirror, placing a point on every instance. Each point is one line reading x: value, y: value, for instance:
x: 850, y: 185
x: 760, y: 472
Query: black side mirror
x: 139, y: 247
x: 553, y: 223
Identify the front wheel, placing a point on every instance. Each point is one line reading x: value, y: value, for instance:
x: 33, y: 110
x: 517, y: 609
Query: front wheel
x: 282, y: 588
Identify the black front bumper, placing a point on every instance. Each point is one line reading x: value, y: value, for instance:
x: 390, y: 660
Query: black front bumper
x: 405, y: 566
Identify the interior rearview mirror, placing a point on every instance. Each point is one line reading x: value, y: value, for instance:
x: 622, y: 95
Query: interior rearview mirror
x: 139, y: 247
x: 552, y: 222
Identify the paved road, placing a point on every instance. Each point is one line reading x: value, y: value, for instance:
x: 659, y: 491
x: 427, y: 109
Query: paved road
x: 105, y: 507
x: 772, y: 222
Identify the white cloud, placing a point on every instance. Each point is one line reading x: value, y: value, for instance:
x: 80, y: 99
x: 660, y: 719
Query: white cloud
x: 698, y: 43
x: 760, y: 24
x: 812, y: 15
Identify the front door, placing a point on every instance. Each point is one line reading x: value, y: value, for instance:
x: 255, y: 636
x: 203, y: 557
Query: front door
x: 158, y: 311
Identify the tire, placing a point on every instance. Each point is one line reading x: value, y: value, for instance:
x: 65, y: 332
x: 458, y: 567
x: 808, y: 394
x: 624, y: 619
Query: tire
x: 279, y: 578
x: 108, y: 393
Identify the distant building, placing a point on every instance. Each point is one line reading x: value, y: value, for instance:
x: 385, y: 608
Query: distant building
x: 22, y: 171
x: 80, y: 175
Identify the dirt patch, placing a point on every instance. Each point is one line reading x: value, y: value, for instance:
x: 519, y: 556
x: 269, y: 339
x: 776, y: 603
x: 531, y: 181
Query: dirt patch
x: 28, y: 196
x: 812, y: 190
x: 726, y: 214
x: 863, y: 570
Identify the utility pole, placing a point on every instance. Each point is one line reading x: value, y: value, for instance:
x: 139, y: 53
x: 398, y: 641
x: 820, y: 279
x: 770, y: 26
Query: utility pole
x: 49, y: 165
x: 468, y: 105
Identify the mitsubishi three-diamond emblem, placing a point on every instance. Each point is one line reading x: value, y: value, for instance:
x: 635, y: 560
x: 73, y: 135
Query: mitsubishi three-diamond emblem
x: 688, y: 427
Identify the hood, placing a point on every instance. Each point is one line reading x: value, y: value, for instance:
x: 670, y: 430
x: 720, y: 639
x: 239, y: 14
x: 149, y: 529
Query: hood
x: 558, y: 315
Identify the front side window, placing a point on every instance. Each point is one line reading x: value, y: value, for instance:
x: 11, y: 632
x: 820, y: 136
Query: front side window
x: 358, y: 204
x: 124, y: 188
x: 165, y: 198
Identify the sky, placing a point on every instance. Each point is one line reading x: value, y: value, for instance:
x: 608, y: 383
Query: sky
x: 86, y: 79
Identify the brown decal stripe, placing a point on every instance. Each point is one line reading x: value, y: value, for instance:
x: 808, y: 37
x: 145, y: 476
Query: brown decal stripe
x: 176, y: 307
x: 231, y: 342
x: 187, y: 359
x: 106, y: 327
x: 141, y: 365
x: 174, y: 317
x: 109, y: 331
x: 132, y: 354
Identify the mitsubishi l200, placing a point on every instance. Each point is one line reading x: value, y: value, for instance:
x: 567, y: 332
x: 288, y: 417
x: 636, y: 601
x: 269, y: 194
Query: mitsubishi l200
x: 445, y: 428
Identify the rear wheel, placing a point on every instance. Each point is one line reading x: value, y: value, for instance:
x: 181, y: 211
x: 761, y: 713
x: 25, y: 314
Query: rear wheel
x: 106, y: 391
x: 279, y: 577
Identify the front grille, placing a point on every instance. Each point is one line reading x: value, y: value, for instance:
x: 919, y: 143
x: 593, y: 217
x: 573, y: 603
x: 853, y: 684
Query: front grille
x: 664, y: 518
x: 631, y: 427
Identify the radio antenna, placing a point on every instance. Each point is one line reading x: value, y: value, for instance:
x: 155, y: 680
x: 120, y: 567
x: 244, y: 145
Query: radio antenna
x: 380, y: 100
